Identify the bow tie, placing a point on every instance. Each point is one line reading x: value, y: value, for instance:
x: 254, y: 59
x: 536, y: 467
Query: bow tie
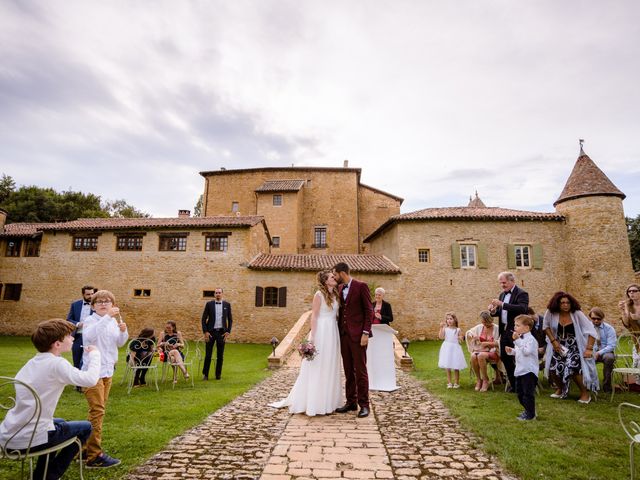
x: 86, y: 303
x: 218, y: 303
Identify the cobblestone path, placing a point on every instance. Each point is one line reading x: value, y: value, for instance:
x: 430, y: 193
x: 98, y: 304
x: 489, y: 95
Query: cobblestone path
x: 409, y: 435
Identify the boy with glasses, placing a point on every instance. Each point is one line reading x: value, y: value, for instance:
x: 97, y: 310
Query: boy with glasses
x: 103, y: 330
x: 604, y: 346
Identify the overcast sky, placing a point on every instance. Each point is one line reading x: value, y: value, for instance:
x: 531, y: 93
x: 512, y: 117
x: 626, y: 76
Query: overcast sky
x: 432, y: 99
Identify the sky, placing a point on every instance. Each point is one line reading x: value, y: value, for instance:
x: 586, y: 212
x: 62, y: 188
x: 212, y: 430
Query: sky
x: 433, y: 100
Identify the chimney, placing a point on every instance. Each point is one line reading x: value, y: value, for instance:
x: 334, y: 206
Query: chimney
x: 345, y: 164
x: 222, y: 169
x: 184, y: 213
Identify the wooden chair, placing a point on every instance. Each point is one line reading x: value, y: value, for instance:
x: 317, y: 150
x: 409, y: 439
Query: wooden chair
x: 631, y: 428
x: 8, y: 388
x: 133, y: 365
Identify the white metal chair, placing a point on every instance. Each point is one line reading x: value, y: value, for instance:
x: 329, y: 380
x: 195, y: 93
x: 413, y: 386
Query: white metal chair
x: 147, y: 349
x: 187, y: 360
x: 631, y: 428
x: 8, y: 388
x: 627, y: 350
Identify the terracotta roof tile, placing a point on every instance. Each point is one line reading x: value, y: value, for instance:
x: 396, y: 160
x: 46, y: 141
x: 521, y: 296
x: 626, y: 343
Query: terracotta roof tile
x: 148, y: 223
x: 21, y: 229
x: 280, y: 186
x: 314, y: 262
x: 466, y: 213
x: 587, y: 179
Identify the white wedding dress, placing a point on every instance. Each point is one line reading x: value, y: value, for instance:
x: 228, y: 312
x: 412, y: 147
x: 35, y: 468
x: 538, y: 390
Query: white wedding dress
x: 318, y: 389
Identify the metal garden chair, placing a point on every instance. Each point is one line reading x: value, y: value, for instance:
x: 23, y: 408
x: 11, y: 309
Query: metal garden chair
x: 187, y: 360
x: 8, y: 388
x: 147, y: 349
x: 631, y: 428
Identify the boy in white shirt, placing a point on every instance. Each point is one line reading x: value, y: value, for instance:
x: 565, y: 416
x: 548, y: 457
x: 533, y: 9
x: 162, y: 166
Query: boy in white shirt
x: 103, y: 330
x: 48, y: 373
x: 526, y: 372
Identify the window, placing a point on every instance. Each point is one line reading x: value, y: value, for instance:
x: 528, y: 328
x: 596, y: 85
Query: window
x: 141, y: 292
x: 32, y: 247
x: 208, y: 293
x: 217, y: 242
x: 523, y: 256
x: 85, y: 242
x: 424, y: 255
x: 320, y: 237
x: 12, y: 291
x: 277, y: 200
x: 129, y: 242
x: 13, y: 247
x: 271, y: 297
x: 275, y: 241
x: 467, y: 256
x: 235, y: 207
x: 175, y: 242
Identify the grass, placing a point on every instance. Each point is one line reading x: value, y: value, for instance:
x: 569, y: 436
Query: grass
x: 138, y: 425
x: 567, y: 441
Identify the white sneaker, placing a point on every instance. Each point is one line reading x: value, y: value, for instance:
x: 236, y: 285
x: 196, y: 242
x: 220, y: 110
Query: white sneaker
x: 449, y: 385
x: 456, y: 385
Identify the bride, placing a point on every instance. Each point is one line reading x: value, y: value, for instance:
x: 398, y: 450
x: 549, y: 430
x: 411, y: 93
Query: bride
x: 317, y: 390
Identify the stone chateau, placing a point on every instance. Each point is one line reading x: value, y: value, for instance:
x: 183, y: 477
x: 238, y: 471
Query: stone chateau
x: 266, y: 232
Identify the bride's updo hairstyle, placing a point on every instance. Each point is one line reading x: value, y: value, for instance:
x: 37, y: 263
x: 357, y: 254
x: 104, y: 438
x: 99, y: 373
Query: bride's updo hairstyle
x: 322, y: 280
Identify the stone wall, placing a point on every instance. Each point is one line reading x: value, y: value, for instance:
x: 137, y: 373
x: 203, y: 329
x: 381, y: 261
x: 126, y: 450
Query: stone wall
x: 177, y: 280
x: 374, y: 209
x: 282, y: 220
x: 599, y: 258
x: 424, y: 292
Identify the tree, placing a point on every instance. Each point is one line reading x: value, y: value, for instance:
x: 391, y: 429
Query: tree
x: 633, y: 230
x: 7, y: 186
x: 121, y: 209
x: 197, y: 210
x: 36, y: 204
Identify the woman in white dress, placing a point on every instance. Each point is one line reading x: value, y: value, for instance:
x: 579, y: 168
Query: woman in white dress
x: 318, y: 390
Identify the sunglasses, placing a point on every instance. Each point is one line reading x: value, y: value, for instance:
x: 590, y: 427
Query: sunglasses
x: 633, y: 290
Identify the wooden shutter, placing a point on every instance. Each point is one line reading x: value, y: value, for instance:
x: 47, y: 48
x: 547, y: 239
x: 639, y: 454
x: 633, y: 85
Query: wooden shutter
x: 538, y: 258
x: 455, y: 255
x: 482, y: 255
x: 259, y: 296
x: 511, y: 257
x: 282, y: 297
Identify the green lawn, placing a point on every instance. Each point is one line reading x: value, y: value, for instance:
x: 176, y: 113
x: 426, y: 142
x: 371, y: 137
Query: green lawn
x: 567, y: 441
x: 139, y: 425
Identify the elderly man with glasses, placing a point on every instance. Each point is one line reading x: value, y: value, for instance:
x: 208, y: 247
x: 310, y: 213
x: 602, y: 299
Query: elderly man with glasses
x: 605, y: 345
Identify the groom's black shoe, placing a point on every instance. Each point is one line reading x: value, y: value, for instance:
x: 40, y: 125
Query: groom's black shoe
x: 364, y: 412
x: 347, y: 408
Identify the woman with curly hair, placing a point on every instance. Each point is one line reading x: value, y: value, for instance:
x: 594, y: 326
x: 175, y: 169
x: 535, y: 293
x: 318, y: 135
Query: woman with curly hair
x: 569, y: 355
x: 317, y: 390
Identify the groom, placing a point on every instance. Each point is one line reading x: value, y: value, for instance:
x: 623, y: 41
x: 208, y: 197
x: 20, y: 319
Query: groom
x: 354, y: 324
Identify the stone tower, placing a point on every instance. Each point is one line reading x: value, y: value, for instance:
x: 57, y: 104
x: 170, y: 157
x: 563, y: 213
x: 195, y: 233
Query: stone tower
x: 598, y: 254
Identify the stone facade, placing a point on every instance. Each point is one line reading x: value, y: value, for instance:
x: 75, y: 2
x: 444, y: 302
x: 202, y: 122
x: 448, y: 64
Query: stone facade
x: 331, y: 198
x: 417, y: 257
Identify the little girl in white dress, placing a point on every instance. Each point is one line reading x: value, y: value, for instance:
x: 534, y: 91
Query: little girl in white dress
x: 451, y: 356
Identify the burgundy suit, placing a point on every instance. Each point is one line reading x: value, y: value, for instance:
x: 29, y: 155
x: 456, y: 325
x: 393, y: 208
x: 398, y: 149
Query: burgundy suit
x: 354, y: 318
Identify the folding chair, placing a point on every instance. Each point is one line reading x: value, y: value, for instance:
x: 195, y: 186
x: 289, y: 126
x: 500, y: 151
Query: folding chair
x: 8, y: 388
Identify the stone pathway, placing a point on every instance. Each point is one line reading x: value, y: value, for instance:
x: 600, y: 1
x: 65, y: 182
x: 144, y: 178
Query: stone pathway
x: 409, y: 436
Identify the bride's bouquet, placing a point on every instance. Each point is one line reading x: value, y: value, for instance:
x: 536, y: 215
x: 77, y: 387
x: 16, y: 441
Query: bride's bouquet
x: 307, y: 350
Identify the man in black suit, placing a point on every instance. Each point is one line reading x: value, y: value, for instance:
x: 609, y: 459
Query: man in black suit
x: 513, y: 301
x: 79, y: 310
x: 216, y: 326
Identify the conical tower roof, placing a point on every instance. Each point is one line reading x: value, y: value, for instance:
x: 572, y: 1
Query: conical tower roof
x: 587, y: 180
x: 476, y: 202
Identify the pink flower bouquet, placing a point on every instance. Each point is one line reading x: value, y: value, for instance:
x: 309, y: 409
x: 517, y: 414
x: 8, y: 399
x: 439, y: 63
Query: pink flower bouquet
x: 307, y: 350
